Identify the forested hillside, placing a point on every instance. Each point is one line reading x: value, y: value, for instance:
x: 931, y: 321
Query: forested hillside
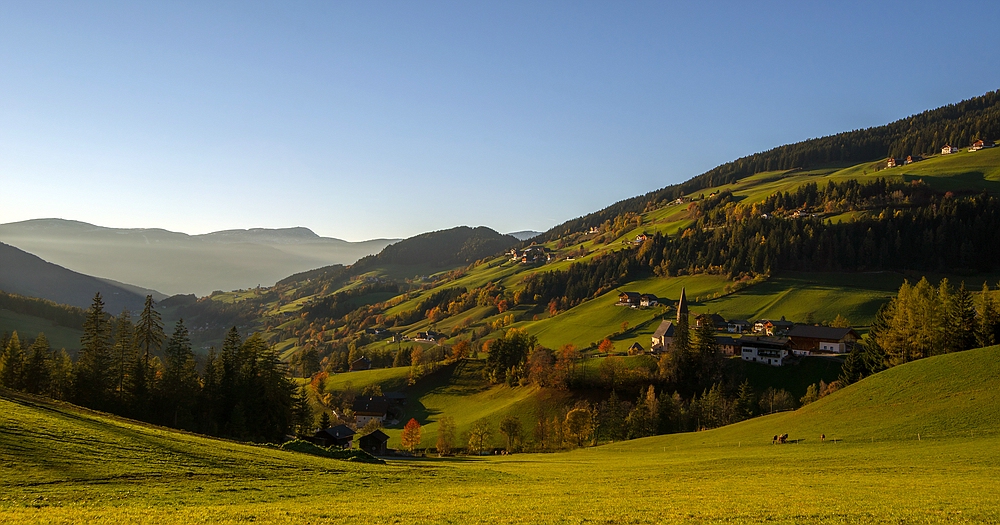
x: 922, y: 134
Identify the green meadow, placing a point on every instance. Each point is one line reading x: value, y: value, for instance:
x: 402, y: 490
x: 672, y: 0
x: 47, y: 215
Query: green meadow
x: 919, y: 443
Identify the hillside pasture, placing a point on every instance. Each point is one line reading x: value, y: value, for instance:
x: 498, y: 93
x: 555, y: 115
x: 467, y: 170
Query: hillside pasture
x: 919, y: 443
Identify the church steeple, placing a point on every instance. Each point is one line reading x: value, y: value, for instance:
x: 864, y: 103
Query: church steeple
x: 682, y: 306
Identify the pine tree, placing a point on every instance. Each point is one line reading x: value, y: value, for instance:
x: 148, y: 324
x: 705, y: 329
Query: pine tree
x: 961, y: 321
x: 36, y: 370
x: 324, y: 420
x: 124, y: 355
x: 95, y: 380
x: 149, y: 337
x: 304, y: 417
x: 179, y: 386
x: 12, y: 364
x: 986, y: 318
x: 746, y: 402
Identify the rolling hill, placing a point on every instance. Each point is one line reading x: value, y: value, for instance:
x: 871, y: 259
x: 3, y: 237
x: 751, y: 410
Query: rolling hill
x: 26, y: 274
x: 176, y: 263
x: 934, y: 461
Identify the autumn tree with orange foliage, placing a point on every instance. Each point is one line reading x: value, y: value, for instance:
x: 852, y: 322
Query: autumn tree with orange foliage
x: 411, y: 435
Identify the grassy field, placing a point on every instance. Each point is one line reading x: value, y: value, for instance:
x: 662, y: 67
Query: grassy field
x: 61, y: 464
x: 28, y: 327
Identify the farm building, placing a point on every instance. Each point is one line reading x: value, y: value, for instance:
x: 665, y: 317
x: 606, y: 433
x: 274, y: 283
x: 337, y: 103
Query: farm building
x: 340, y: 436
x: 738, y: 326
x: 629, y: 299
x: 647, y: 299
x: 374, y: 443
x: 766, y: 350
x: 948, y: 149
x: 807, y: 338
x: 981, y: 144
x: 367, y: 409
x: 728, y: 345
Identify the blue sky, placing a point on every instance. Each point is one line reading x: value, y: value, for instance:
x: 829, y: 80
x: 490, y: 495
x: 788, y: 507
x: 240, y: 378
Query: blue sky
x: 388, y: 119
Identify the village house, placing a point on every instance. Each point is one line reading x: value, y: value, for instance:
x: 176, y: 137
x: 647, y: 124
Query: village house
x: 370, y: 408
x: 891, y: 163
x: 629, y: 299
x: 729, y: 346
x: 948, y: 149
x: 910, y: 159
x: 738, y: 326
x: 981, y: 144
x: 593, y: 230
x: 636, y: 349
x: 374, y: 443
x: 767, y: 350
x: 715, y: 320
x: 339, y: 436
x: 772, y: 327
x: 642, y: 237
x: 534, y: 254
x: 361, y: 364
x: 806, y: 339
x: 647, y: 299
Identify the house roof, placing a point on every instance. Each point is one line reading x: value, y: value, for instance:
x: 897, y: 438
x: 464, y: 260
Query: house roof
x: 666, y: 328
x: 820, y: 332
x: 726, y: 340
x: 339, y: 431
x: 636, y: 345
x: 739, y: 322
x: 648, y: 296
x: 765, y: 342
x: 369, y: 406
x: 631, y: 295
x: 377, y: 435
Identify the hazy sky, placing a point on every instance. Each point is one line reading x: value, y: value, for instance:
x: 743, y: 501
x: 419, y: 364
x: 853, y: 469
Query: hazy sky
x: 388, y: 119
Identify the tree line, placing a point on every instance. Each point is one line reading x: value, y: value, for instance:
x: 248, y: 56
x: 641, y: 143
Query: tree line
x: 924, y: 320
x: 132, y: 368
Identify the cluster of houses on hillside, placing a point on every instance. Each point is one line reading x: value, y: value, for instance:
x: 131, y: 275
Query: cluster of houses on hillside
x: 637, y: 300
x: 768, y: 341
x: 534, y: 254
x: 947, y: 149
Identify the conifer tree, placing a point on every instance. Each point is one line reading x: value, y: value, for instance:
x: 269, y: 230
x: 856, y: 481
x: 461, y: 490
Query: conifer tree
x: 124, y: 357
x: 36, y: 370
x: 12, y: 364
x: 95, y: 382
x: 179, y: 385
x: 986, y: 318
x: 149, y: 337
x: 961, y: 321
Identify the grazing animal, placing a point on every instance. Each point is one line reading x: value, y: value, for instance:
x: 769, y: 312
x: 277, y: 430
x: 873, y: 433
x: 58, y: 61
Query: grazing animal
x: 782, y: 438
x: 774, y: 439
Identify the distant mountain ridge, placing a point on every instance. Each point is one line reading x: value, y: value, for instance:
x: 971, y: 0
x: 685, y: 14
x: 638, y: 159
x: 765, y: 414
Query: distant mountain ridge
x: 174, y: 263
x: 25, y: 274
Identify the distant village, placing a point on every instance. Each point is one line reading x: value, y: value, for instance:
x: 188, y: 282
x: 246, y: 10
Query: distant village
x: 774, y: 342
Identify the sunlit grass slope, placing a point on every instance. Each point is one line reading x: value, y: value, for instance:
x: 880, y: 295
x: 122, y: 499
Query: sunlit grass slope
x: 63, y: 465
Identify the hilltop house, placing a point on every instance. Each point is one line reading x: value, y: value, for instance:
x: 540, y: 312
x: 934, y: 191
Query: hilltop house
x: 948, y: 149
x: 339, y: 436
x: 642, y: 237
x: 806, y: 339
x: 891, y: 163
x: 370, y: 408
x: 647, y: 299
x: 767, y: 350
x: 629, y: 299
x: 981, y: 144
x: 374, y: 443
x: 910, y: 159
